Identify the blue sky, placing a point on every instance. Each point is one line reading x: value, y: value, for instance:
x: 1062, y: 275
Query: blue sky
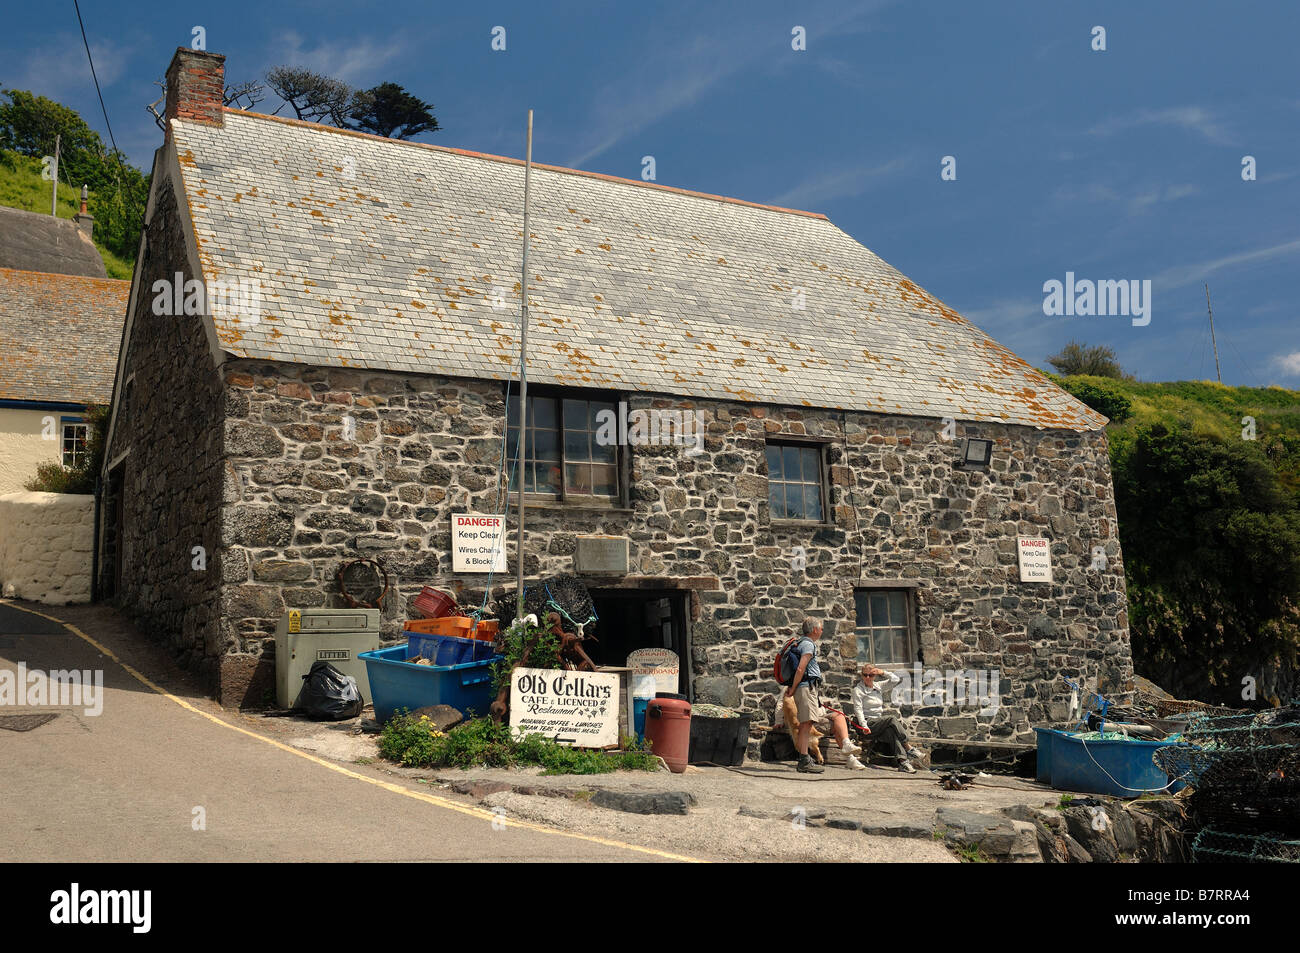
x: 1116, y: 164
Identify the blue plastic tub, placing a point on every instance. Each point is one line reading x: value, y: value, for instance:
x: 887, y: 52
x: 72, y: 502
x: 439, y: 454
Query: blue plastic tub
x: 396, y: 683
x: 447, y: 649
x: 1046, y: 739
x: 1118, y: 768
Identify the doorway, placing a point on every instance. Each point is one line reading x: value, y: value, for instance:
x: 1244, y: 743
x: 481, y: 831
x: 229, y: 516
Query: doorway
x: 632, y: 619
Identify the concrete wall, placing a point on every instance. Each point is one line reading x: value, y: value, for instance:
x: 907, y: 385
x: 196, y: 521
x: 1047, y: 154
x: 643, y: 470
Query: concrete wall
x: 45, y: 546
x: 22, y: 448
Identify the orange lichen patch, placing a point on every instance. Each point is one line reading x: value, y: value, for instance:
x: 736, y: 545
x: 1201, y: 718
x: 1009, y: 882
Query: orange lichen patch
x: 605, y: 246
x: 418, y: 304
x: 918, y: 300
x: 577, y: 251
x: 598, y: 297
x: 869, y: 356
x: 722, y: 261
x: 317, y: 213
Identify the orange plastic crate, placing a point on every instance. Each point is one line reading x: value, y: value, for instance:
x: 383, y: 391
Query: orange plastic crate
x: 460, y: 626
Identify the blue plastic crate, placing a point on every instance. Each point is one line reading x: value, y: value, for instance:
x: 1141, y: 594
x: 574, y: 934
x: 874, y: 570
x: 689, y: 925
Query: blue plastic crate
x: 447, y: 649
x: 396, y: 683
x: 1118, y: 768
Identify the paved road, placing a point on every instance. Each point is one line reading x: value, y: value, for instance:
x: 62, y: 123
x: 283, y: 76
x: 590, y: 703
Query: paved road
x: 123, y: 785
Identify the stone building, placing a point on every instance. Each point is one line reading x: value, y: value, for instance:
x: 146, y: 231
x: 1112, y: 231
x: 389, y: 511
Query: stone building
x: 60, y: 326
x: 868, y: 455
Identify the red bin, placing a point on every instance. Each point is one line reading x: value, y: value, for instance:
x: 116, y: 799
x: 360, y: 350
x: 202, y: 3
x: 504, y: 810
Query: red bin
x: 668, y: 729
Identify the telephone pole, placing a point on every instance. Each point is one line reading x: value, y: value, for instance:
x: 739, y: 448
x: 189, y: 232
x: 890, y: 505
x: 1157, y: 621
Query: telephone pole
x: 523, y: 377
x: 54, y: 195
x: 1213, y: 342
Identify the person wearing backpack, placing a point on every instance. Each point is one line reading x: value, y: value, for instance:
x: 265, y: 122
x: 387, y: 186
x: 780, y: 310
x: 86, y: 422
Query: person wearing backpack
x: 800, y: 660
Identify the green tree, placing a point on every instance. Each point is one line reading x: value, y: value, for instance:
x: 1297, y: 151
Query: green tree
x: 312, y: 96
x: 29, y: 125
x: 1075, y: 358
x: 390, y: 111
x: 1211, y: 544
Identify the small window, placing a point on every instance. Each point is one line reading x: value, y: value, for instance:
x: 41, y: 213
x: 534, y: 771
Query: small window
x: 883, y: 628
x: 563, y: 456
x: 74, y: 443
x: 795, y: 485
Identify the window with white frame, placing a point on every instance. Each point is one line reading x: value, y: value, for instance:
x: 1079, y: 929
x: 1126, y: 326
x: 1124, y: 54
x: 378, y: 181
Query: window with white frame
x: 884, y: 626
x: 75, y: 433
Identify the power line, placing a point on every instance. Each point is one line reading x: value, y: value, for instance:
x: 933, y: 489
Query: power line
x: 102, y: 107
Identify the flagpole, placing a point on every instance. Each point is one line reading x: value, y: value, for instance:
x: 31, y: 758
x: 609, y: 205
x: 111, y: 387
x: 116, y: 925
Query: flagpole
x: 522, y: 448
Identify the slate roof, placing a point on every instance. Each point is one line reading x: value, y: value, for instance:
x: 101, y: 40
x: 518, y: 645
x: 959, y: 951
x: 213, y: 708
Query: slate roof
x: 59, y: 336
x: 30, y: 241
x: 382, y: 254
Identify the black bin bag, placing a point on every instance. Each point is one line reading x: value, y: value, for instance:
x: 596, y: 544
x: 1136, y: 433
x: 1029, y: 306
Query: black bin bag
x: 328, y: 694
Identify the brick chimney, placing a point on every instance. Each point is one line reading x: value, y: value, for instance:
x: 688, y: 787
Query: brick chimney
x: 195, y: 86
x: 85, y: 221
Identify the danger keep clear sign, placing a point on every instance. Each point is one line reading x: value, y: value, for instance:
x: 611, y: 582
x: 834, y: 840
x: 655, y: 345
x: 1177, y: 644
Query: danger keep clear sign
x: 478, y: 543
x: 1035, y: 558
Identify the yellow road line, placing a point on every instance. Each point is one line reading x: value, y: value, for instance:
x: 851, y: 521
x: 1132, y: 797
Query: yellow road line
x: 386, y: 785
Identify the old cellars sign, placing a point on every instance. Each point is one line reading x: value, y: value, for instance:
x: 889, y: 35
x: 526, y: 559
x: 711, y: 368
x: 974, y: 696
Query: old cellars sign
x: 574, y: 708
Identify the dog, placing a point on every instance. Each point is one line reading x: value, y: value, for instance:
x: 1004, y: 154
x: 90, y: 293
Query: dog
x: 792, y: 725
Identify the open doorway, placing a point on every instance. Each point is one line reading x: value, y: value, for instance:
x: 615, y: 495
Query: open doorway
x: 641, y: 619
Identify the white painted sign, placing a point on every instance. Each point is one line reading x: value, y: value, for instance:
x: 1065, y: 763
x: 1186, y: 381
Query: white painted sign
x: 573, y: 708
x: 478, y: 543
x: 663, y: 664
x: 1035, y: 558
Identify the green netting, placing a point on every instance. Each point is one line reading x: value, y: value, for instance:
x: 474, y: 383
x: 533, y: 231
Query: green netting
x: 1218, y: 846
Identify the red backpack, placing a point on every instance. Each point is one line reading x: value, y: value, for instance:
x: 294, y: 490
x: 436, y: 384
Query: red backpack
x: 778, y: 665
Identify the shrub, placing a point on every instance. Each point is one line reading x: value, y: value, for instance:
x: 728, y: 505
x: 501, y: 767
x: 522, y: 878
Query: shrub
x: 1102, y: 396
x: 416, y: 743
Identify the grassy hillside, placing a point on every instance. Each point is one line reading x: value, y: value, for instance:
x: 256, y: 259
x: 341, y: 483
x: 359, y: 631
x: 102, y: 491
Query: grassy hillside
x: 1211, y: 410
x: 1209, y: 521
x: 21, y: 186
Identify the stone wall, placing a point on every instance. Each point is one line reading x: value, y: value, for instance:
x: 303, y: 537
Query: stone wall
x: 299, y: 499
x: 46, y: 542
x: 169, y: 425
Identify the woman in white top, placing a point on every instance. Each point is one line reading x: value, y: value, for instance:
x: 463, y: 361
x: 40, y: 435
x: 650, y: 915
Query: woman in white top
x: 869, y: 707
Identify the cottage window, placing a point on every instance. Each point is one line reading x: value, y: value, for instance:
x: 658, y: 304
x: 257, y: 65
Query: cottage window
x: 74, y: 441
x: 563, y: 456
x: 795, y: 482
x: 883, y: 626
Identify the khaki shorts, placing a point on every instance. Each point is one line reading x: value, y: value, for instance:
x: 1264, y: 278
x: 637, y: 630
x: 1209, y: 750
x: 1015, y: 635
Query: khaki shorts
x: 807, y: 705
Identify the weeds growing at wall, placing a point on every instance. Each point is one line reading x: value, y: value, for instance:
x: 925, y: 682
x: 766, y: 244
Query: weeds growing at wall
x: 415, y: 742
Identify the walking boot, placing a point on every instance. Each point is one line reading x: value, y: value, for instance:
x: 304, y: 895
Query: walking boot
x: 808, y: 766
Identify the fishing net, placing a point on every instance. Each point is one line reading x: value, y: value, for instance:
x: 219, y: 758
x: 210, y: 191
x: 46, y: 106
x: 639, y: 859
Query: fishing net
x: 564, y: 594
x: 1245, y: 771
x: 1225, y: 847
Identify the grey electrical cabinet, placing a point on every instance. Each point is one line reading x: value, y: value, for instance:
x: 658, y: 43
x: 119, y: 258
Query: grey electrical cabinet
x: 337, y: 636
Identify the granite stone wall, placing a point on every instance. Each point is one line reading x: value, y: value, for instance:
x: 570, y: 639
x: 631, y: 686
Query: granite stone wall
x: 322, y: 465
x: 169, y: 426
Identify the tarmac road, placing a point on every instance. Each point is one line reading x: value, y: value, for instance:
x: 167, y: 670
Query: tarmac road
x: 132, y: 782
